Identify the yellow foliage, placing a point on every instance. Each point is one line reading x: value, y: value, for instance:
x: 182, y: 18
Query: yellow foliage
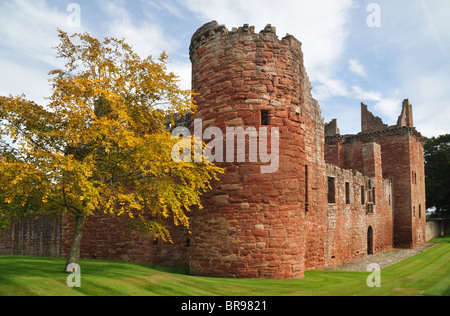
x: 101, y: 146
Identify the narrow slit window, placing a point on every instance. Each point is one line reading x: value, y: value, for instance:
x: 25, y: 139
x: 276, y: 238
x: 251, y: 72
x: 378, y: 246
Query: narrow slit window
x: 264, y: 118
x: 331, y: 191
x: 347, y: 193
x: 306, y: 189
x: 363, y: 197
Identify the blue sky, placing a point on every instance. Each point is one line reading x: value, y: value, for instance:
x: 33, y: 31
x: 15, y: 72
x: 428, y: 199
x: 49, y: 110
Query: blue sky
x: 348, y: 62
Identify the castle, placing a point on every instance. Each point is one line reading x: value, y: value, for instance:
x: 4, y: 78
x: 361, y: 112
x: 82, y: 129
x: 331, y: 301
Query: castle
x: 335, y: 198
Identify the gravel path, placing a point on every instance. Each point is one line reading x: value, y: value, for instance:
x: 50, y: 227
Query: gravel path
x: 384, y: 259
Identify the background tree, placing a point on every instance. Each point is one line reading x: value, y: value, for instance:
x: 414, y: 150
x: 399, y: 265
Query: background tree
x: 100, y: 145
x: 437, y: 174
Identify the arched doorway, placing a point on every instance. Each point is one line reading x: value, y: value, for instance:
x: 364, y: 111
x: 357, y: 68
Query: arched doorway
x: 370, y: 241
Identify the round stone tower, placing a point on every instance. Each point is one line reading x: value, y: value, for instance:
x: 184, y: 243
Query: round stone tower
x: 247, y: 83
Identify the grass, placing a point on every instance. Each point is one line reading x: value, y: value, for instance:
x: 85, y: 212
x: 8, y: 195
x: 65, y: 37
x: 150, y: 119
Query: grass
x: 427, y: 274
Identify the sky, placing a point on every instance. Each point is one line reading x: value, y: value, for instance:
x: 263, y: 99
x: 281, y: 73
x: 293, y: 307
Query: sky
x: 376, y: 52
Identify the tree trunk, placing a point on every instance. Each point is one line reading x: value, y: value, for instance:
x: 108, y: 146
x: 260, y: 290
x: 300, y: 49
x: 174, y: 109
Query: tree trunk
x: 75, y: 246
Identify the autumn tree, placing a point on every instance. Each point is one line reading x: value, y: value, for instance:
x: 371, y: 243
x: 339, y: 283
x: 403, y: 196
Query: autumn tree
x: 101, y: 144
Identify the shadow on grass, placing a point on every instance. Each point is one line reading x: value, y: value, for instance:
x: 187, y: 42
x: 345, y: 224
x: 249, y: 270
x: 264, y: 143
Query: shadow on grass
x: 441, y: 240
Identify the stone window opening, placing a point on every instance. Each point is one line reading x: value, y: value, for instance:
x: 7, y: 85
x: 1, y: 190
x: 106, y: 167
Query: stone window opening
x: 265, y: 118
x: 347, y: 193
x: 306, y: 190
x: 331, y: 191
x: 370, y: 250
x: 363, y: 197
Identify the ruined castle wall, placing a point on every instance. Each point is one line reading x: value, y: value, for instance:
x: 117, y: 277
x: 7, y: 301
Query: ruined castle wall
x: 401, y: 148
x: 418, y: 200
x: 360, y: 202
x: 252, y: 223
x: 334, y: 153
x: 107, y: 238
x: 316, y: 212
x: 346, y: 237
x: 32, y: 237
x: 369, y: 122
x: 403, y: 163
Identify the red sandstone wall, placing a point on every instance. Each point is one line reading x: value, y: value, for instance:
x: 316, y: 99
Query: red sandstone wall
x: 400, y: 150
x: 316, y: 214
x: 253, y: 223
x: 346, y: 223
x: 418, y: 191
x: 39, y: 237
x: 403, y: 162
x: 370, y: 122
x: 106, y: 238
x: 349, y: 218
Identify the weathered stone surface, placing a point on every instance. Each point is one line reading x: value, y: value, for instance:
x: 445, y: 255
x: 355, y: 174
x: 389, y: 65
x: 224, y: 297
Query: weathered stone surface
x: 271, y: 70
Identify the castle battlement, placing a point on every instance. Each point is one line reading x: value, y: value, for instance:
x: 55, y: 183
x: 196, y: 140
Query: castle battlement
x: 213, y: 30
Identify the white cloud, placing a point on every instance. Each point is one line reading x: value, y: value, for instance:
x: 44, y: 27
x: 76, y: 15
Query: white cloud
x: 429, y: 95
x: 320, y: 25
x: 423, y: 64
x: 28, y: 34
x: 389, y: 107
x: 184, y: 71
x: 330, y: 87
x: 433, y: 29
x: 30, y: 28
x: 359, y: 93
x: 170, y: 5
x: 409, y: 53
x: 33, y: 82
x: 146, y: 38
x: 356, y: 67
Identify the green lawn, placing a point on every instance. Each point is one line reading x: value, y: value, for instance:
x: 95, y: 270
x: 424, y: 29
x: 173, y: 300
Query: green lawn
x: 424, y: 274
